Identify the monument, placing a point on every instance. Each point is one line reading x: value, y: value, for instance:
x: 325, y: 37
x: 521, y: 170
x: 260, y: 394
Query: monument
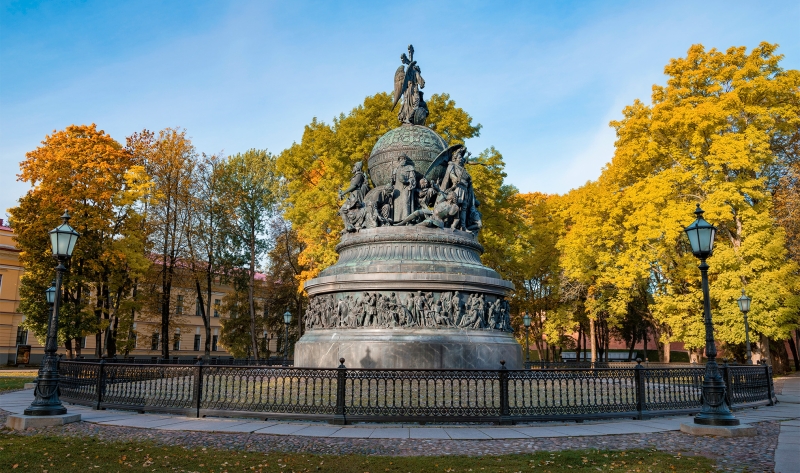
x: 409, y: 289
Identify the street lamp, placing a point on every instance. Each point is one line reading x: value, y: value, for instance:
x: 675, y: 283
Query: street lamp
x: 287, y: 319
x: 526, y: 321
x: 47, y: 403
x: 50, y: 294
x: 744, y: 306
x: 714, y: 411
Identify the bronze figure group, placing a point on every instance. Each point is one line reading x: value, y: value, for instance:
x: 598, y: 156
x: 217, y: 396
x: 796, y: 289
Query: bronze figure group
x: 412, y: 199
x: 408, y: 310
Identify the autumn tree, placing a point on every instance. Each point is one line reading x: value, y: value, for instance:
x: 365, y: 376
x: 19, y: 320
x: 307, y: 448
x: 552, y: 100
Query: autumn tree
x: 205, y: 235
x: 250, y: 190
x: 169, y: 160
x: 84, y: 170
x: 708, y: 137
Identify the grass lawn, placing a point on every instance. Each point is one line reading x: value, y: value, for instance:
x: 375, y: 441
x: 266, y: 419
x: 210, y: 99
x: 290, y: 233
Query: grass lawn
x: 15, y: 379
x: 81, y: 454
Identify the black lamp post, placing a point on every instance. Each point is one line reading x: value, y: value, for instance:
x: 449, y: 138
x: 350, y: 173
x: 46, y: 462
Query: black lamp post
x: 50, y: 294
x: 526, y: 321
x: 744, y: 306
x: 714, y: 411
x: 47, y: 403
x: 287, y: 319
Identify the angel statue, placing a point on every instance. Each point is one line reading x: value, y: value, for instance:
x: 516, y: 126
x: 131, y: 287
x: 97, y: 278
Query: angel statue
x: 407, y: 83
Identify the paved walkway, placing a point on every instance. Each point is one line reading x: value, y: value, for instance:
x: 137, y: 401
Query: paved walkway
x: 787, y: 455
x: 16, y: 402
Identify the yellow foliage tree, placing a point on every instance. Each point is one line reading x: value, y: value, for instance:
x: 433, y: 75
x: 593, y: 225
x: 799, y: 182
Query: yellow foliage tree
x: 709, y: 137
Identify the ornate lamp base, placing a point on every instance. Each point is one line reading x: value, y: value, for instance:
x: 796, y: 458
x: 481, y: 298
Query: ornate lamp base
x: 715, y: 411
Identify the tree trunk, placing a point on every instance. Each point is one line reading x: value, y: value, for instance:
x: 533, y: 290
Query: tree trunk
x: 632, y: 345
x: 793, y: 348
x: 578, y: 344
x: 68, y: 348
x: 207, y: 344
x: 250, y: 295
x: 667, y: 352
x: 203, y: 314
x: 593, y: 338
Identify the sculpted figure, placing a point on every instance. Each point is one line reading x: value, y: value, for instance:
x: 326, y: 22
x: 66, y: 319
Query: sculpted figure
x: 404, y: 181
x: 372, y: 311
x: 455, y: 308
x: 419, y: 309
x: 493, y: 317
x: 342, y: 313
x: 395, y: 310
x: 352, y: 211
x: 407, y: 84
x: 426, y: 194
x: 458, y: 181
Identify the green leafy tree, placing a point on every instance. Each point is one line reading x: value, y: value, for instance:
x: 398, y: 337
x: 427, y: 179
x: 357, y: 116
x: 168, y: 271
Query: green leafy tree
x: 250, y: 188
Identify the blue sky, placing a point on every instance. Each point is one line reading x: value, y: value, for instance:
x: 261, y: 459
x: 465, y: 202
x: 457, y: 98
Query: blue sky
x: 543, y: 78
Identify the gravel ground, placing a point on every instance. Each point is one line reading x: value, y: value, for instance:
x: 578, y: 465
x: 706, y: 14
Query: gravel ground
x: 734, y: 454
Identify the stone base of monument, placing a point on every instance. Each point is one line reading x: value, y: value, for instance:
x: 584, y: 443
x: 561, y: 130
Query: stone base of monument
x: 23, y: 422
x: 741, y: 430
x: 408, y: 348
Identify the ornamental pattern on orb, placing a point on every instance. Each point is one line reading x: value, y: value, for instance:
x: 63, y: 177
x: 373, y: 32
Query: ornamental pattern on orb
x: 408, y: 309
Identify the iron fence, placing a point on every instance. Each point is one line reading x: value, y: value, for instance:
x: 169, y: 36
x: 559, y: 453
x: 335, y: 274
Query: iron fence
x: 343, y: 395
x: 190, y: 360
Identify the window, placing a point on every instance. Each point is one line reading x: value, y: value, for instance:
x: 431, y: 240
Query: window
x: 22, y: 336
x: 154, y: 342
x: 176, y: 341
x: 197, y: 343
x: 197, y: 311
x: 133, y: 337
x: 179, y: 305
x: 216, y: 307
x: 83, y: 342
x: 214, y: 342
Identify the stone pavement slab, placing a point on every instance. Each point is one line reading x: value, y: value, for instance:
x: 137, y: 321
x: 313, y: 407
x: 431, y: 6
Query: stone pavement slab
x: 503, y: 433
x: 539, y: 432
x: 202, y: 425
x: 317, y: 431
x: 621, y: 429
x: 354, y: 432
x: 281, y: 429
x: 427, y: 433
x: 144, y: 422
x: 466, y: 433
x: 390, y: 433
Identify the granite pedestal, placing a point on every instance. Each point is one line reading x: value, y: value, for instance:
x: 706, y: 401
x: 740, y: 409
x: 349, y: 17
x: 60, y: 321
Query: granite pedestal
x: 419, y: 348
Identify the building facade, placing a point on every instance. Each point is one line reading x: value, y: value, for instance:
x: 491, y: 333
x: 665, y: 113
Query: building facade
x: 188, y: 339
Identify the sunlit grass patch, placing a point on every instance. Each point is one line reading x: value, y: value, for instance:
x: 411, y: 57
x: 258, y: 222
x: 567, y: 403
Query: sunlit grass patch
x: 80, y: 454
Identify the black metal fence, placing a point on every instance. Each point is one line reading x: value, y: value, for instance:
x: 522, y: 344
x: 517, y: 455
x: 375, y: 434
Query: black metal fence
x: 343, y: 395
x: 190, y: 360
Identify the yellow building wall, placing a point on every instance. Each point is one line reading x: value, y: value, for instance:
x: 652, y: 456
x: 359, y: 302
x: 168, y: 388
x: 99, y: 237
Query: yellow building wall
x: 10, y: 275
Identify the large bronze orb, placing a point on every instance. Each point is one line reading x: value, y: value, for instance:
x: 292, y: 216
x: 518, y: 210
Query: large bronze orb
x: 419, y: 143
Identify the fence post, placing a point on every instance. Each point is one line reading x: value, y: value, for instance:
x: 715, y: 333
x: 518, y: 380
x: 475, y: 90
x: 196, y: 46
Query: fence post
x: 198, y: 385
x: 101, y: 383
x: 505, y: 416
x: 341, y: 380
x: 726, y: 376
x: 640, y: 389
x: 770, y: 386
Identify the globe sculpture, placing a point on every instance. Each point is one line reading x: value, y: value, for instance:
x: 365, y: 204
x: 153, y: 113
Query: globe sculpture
x: 409, y: 289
